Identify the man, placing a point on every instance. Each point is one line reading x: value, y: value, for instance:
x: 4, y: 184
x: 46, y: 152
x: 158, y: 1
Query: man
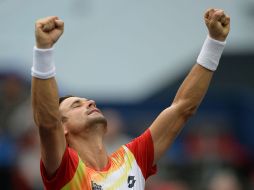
x: 73, y: 155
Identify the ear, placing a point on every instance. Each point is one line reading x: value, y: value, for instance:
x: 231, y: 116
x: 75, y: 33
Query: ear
x: 63, y: 120
x: 65, y: 130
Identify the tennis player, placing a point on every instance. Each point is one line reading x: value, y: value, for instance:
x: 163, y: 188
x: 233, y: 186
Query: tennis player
x: 73, y: 155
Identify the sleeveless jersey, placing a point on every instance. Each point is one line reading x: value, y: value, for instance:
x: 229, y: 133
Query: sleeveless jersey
x: 128, y: 168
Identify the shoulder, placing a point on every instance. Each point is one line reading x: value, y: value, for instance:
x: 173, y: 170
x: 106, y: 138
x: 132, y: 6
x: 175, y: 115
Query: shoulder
x: 64, y: 173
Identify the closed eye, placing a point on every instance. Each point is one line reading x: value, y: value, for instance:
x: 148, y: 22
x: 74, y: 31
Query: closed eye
x: 76, y: 104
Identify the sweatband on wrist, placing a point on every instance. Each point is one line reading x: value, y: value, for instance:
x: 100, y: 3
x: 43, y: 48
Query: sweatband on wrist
x: 43, y: 63
x: 210, y: 53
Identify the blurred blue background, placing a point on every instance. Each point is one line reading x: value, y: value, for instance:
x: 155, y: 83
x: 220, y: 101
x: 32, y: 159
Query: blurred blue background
x: 130, y: 57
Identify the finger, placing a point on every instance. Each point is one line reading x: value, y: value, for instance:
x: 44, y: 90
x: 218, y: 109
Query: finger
x: 217, y: 15
x: 46, y: 20
x: 52, y: 24
x: 227, y: 20
x: 59, y: 24
x: 48, y: 27
x: 223, y: 20
x: 208, y: 13
x: 218, y: 9
x: 46, y: 23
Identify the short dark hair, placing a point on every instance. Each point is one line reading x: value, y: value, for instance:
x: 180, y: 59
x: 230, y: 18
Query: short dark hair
x: 61, y: 99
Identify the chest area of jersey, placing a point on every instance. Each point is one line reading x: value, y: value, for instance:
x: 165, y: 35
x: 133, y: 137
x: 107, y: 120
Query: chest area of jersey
x: 120, y: 179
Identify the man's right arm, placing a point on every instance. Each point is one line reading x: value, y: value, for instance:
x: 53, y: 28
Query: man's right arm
x: 45, y: 94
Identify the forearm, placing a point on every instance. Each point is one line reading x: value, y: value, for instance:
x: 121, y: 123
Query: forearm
x: 45, y: 102
x: 44, y: 88
x: 193, y: 89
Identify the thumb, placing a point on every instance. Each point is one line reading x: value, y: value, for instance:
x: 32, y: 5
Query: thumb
x: 217, y: 16
x: 59, y: 24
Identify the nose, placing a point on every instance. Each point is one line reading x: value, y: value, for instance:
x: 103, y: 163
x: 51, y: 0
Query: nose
x: 91, y: 103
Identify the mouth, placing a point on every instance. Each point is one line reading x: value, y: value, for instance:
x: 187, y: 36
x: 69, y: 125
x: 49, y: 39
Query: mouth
x: 94, y: 111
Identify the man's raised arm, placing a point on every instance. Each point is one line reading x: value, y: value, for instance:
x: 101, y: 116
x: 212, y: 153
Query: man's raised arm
x: 45, y: 93
x: 190, y: 94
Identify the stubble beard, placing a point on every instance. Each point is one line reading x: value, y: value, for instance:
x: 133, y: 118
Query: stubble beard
x: 97, y: 121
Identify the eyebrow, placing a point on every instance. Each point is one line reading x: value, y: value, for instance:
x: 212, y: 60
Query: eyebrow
x: 76, y: 101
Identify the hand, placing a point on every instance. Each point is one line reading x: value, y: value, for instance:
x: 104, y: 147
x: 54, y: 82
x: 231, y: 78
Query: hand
x: 218, y: 24
x: 47, y: 31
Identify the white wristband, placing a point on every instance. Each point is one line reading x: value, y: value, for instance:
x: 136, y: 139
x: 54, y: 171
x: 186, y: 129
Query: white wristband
x: 43, y: 63
x: 210, y: 53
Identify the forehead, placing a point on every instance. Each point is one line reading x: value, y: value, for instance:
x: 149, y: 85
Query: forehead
x: 69, y: 101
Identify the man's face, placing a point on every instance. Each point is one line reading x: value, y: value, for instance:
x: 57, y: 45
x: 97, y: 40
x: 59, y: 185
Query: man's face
x: 79, y: 114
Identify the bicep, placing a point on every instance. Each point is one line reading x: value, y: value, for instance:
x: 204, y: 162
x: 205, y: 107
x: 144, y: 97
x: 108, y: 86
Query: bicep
x: 164, y: 130
x: 53, y: 145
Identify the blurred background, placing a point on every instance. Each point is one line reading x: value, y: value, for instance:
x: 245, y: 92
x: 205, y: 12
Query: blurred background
x: 130, y: 57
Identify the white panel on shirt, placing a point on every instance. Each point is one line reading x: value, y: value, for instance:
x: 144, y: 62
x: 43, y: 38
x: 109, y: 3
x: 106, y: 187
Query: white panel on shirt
x: 128, y: 176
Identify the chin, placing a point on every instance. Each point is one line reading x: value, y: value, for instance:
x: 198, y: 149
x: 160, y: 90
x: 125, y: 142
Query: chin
x: 98, y: 120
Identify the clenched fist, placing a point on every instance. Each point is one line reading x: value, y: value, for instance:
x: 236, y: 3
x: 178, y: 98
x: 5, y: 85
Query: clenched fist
x: 218, y: 24
x: 47, y: 31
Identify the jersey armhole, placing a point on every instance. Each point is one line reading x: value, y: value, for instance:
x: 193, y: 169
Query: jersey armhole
x: 143, y: 150
x: 64, y: 173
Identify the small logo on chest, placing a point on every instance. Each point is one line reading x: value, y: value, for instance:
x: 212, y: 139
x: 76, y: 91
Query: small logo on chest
x: 96, y: 187
x: 131, y: 181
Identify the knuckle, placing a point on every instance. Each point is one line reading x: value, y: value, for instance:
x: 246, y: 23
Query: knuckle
x: 37, y: 22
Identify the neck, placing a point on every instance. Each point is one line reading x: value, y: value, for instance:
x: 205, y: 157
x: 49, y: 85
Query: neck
x: 91, y: 150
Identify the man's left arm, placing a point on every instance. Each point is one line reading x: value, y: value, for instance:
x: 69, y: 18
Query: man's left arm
x: 190, y: 94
